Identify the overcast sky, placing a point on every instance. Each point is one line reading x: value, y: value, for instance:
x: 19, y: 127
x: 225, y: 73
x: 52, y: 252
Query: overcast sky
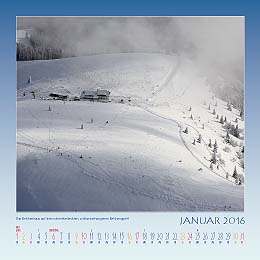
x: 212, y: 41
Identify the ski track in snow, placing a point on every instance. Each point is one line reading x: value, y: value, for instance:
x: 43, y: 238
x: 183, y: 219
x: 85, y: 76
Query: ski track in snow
x: 69, y: 155
x: 184, y: 142
x: 169, y: 77
x: 86, y: 166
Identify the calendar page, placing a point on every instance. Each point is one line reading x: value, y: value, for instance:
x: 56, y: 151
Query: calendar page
x: 132, y: 136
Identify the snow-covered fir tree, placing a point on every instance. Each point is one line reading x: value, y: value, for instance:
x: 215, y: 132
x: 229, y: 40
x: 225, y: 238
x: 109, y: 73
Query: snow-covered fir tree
x: 29, y: 80
x: 227, y: 138
x: 214, y: 157
x: 215, y: 144
x: 229, y: 107
x: 235, y: 174
x: 241, y: 114
x: 236, y: 131
x: 199, y: 139
x: 215, y: 149
x: 211, y: 166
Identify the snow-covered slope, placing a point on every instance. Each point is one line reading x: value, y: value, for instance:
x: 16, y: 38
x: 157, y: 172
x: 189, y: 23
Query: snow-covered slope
x: 132, y: 156
x: 123, y: 74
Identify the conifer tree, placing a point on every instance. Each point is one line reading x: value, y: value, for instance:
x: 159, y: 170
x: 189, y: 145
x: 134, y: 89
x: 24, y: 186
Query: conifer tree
x: 241, y: 113
x: 232, y: 130
x: 215, y: 144
x: 227, y: 138
x: 235, y: 175
x: 236, y: 131
x: 221, y: 120
x: 29, y: 80
x: 211, y: 166
x: 214, y: 157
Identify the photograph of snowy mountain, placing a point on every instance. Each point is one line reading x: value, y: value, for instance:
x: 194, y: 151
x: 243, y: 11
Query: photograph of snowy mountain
x: 130, y: 114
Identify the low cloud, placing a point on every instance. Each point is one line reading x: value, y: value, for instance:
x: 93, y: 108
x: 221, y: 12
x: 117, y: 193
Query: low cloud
x: 215, y: 43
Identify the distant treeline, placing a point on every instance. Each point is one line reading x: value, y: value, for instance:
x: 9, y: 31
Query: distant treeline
x: 24, y: 53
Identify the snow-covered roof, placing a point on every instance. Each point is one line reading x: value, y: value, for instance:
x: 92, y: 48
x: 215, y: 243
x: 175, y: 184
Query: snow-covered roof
x: 103, y: 92
x: 89, y: 92
x: 98, y: 92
